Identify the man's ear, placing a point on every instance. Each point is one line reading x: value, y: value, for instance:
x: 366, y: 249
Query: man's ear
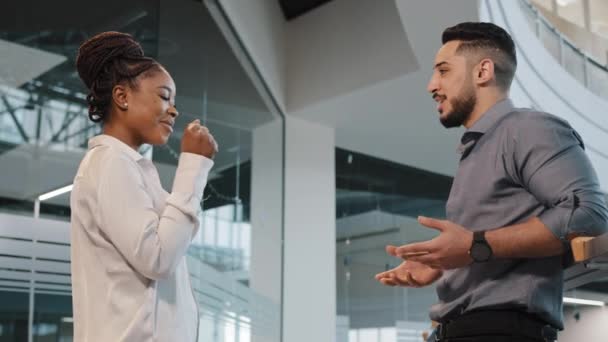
x: 484, y: 71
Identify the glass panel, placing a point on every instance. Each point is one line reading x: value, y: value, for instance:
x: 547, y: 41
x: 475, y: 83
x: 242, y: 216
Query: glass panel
x: 53, y: 320
x: 13, y: 313
x: 572, y: 10
x: 550, y: 40
x: 376, y: 207
x: 574, y: 62
x: 598, y: 79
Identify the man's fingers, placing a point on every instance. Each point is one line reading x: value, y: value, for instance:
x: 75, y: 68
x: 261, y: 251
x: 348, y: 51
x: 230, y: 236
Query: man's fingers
x: 411, y: 280
x: 413, y: 254
x: 388, y: 282
x: 432, y: 223
x: 382, y: 275
x: 427, y: 259
x: 414, y: 248
x: 391, y: 250
x: 401, y: 281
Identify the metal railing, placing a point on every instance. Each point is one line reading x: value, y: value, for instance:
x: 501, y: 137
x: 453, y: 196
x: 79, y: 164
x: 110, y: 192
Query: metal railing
x: 583, y: 67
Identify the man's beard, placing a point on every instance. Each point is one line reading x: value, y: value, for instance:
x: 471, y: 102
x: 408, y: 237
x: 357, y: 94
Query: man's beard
x: 462, y: 107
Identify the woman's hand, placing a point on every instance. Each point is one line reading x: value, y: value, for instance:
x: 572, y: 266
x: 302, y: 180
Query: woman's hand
x: 198, y: 140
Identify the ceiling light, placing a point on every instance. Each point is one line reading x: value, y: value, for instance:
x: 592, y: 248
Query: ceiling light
x: 56, y: 192
x: 569, y: 300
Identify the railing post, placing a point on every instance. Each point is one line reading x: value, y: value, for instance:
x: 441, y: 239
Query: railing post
x: 562, y: 58
x: 536, y: 23
x: 37, y: 208
x: 586, y: 71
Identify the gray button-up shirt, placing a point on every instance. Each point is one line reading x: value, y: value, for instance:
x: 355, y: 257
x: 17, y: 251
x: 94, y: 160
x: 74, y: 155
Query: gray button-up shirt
x: 517, y: 164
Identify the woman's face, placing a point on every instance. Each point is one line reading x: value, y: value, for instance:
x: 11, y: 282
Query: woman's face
x: 151, y: 111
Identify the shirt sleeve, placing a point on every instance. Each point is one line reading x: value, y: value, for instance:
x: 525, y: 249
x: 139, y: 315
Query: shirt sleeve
x: 152, y: 244
x: 548, y: 159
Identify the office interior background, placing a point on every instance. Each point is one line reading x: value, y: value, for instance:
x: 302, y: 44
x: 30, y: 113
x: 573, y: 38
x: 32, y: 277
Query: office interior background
x: 330, y: 149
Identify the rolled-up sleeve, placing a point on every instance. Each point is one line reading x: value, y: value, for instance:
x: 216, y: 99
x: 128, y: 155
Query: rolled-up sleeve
x: 152, y: 244
x: 549, y: 160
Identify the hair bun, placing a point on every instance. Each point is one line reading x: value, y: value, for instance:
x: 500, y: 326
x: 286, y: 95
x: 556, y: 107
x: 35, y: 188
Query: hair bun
x: 101, y: 50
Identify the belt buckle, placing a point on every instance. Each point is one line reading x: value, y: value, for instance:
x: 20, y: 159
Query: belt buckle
x: 438, y: 333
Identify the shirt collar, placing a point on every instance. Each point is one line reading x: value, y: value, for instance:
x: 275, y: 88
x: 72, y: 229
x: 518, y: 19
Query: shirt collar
x: 483, y: 124
x: 107, y: 140
x: 491, y: 116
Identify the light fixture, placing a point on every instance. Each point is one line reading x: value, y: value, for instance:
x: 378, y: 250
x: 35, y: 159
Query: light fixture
x: 570, y: 300
x: 55, y: 192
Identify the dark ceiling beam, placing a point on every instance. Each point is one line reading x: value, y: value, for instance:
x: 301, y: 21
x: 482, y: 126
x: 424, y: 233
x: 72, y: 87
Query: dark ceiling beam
x: 295, y: 8
x: 11, y: 111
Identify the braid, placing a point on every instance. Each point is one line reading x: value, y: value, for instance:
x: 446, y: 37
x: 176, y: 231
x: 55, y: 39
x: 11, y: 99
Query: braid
x: 108, y: 59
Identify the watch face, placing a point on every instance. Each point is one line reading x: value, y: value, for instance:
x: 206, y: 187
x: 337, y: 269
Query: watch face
x: 481, y: 252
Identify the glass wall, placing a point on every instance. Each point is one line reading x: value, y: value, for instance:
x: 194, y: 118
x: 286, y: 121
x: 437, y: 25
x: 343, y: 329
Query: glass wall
x: 377, y: 203
x: 44, y: 129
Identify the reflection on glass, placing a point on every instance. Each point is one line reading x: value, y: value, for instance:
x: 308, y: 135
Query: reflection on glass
x: 13, y: 313
x: 52, y: 318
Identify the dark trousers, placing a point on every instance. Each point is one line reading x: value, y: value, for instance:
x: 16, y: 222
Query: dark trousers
x: 494, y: 326
x: 492, y: 338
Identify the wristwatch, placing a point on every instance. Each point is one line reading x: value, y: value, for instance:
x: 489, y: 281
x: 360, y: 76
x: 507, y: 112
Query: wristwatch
x: 480, y: 251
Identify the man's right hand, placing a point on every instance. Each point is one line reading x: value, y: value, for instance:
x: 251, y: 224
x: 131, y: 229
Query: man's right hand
x: 198, y: 140
x: 409, y: 273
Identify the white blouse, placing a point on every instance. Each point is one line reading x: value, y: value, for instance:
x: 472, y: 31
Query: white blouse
x: 130, y: 280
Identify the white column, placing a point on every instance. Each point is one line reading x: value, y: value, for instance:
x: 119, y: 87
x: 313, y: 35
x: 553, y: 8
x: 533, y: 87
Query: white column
x: 267, y: 229
x: 309, y: 300
x: 305, y: 281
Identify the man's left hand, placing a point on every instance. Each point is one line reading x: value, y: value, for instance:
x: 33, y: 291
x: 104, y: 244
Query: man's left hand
x: 447, y: 251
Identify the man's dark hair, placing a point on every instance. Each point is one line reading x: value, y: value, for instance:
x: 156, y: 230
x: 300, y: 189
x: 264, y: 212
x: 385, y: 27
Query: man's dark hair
x: 486, y: 40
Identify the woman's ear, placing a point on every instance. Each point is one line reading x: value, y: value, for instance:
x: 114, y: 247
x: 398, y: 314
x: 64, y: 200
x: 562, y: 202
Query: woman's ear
x: 119, y: 96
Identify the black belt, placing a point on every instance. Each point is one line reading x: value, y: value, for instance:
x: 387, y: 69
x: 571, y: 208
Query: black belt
x: 507, y: 323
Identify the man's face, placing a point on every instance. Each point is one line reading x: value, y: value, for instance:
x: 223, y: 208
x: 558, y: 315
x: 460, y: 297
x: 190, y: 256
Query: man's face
x: 451, y: 85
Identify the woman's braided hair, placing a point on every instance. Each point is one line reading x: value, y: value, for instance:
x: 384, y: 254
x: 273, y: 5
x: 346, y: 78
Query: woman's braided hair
x: 108, y: 59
